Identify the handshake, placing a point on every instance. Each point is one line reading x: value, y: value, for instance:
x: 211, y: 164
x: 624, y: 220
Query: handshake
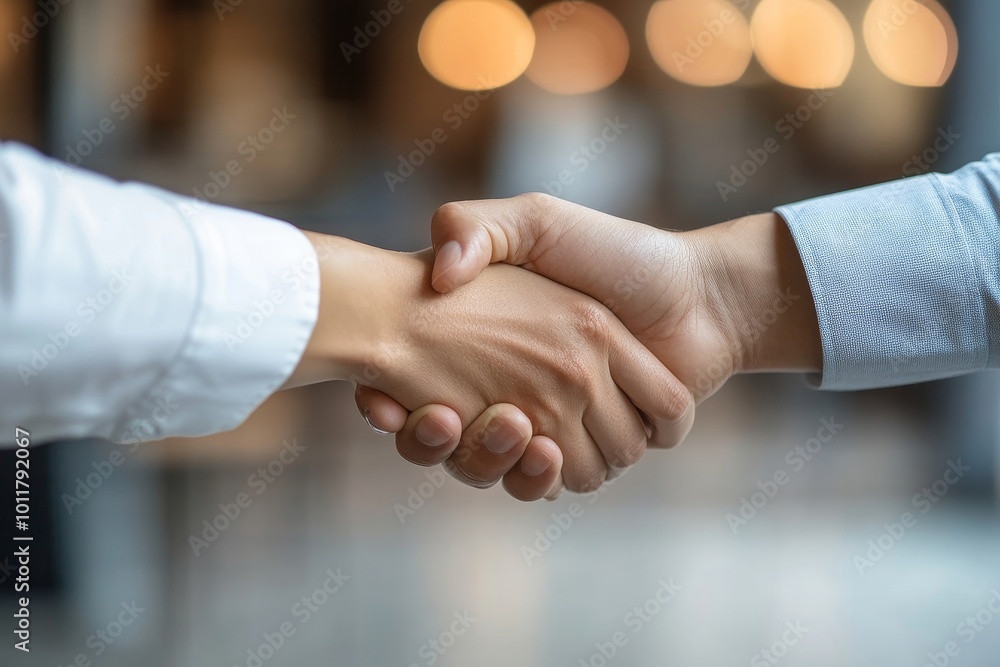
x: 559, y: 373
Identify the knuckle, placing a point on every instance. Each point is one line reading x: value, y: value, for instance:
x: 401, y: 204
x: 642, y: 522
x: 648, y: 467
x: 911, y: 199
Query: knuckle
x: 592, y: 321
x: 628, y: 454
x: 575, y: 371
x: 545, y: 413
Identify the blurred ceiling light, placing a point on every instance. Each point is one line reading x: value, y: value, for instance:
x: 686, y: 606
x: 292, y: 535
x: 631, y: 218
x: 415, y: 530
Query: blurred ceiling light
x: 578, y: 48
x: 476, y: 44
x: 700, y: 42
x: 803, y: 43
x: 911, y: 42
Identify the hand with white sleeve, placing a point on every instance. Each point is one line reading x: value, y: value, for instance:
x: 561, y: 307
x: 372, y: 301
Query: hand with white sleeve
x: 726, y: 299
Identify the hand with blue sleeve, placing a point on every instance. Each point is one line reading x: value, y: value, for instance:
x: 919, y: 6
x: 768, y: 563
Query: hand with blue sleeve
x: 892, y: 284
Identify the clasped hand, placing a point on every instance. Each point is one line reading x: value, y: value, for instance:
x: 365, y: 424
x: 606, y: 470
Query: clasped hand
x: 560, y: 375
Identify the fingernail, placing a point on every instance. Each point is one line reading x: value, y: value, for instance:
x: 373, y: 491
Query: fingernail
x: 368, y: 418
x: 500, y: 436
x: 432, y: 433
x: 534, y: 463
x: 448, y: 257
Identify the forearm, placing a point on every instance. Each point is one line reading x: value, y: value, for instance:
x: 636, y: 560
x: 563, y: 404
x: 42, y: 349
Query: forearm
x: 886, y: 285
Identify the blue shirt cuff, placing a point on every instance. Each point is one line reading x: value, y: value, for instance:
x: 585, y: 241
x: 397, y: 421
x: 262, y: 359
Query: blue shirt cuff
x: 904, y: 277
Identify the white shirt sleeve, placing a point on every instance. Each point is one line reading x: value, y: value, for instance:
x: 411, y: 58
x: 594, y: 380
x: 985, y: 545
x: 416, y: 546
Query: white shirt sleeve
x: 130, y: 313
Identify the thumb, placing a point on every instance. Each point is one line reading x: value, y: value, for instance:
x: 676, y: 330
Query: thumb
x: 469, y: 236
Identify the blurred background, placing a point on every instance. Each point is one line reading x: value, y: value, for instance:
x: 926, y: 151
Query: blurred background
x: 359, y: 118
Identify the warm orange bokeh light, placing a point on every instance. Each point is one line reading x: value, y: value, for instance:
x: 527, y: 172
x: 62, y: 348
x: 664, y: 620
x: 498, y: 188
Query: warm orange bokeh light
x: 578, y: 48
x: 476, y: 44
x: 803, y: 43
x: 911, y: 42
x: 700, y: 42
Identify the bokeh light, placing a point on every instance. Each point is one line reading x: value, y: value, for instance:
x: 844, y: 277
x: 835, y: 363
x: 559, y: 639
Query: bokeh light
x: 476, y: 44
x: 700, y: 42
x: 578, y: 48
x: 914, y: 43
x: 803, y: 43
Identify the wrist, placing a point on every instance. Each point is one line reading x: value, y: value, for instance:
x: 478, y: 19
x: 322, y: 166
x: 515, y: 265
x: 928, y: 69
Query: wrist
x: 357, y: 320
x: 754, y: 274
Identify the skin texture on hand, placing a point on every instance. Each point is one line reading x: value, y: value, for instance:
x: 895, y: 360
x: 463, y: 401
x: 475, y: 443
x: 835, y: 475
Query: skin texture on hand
x: 695, y: 299
x: 510, y: 338
x: 725, y: 299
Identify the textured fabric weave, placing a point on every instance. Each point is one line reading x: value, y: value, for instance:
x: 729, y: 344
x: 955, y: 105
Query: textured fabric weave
x: 905, y: 276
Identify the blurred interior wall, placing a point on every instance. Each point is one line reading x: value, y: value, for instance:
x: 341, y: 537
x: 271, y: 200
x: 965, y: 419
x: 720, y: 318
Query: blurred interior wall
x: 971, y: 404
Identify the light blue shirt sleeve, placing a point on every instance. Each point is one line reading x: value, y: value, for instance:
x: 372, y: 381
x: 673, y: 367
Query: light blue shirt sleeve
x: 905, y: 277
